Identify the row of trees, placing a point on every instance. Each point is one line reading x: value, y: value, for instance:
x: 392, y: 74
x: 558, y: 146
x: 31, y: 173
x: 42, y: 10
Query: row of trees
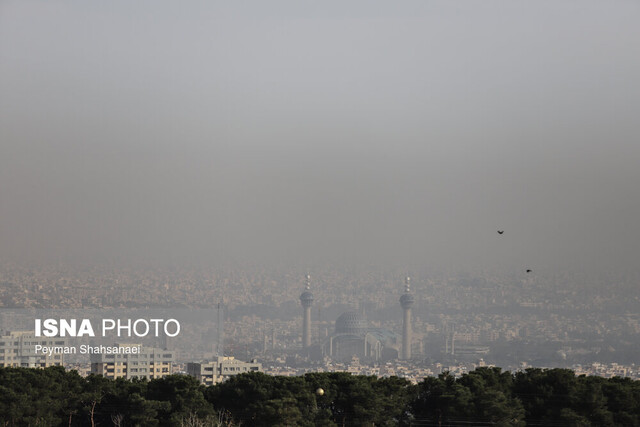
x: 486, y: 396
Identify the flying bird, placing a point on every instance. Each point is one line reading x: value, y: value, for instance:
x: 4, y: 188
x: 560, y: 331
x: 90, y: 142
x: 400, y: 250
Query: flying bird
x: 528, y: 271
x: 500, y: 231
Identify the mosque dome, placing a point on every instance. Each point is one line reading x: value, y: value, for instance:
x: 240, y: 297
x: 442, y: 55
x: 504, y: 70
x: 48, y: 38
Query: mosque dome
x: 351, y: 322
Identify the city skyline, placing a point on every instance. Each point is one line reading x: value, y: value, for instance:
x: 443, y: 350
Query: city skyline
x: 213, y: 154
x: 319, y: 213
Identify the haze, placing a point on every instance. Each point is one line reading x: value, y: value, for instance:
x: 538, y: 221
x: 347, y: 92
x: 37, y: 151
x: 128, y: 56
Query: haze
x: 306, y: 133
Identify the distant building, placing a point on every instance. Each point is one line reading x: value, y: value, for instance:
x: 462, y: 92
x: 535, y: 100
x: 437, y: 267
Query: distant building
x: 222, y: 368
x: 406, y: 302
x: 220, y: 343
x: 18, y: 349
x: 306, y: 300
x: 150, y: 363
x: 353, y: 337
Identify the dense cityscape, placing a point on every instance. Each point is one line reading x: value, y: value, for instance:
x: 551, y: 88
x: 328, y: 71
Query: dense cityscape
x: 288, y: 213
x: 459, y: 321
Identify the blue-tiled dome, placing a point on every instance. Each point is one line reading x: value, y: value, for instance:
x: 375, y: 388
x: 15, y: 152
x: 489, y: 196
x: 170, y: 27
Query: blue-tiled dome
x: 351, y: 322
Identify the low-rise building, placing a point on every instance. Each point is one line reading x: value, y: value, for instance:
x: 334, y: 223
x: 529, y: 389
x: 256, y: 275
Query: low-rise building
x: 218, y: 370
x: 146, y: 362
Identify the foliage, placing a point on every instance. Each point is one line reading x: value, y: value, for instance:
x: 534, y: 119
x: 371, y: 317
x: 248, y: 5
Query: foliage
x: 486, y: 396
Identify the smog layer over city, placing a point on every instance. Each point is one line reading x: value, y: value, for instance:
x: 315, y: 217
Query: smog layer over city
x: 385, y: 188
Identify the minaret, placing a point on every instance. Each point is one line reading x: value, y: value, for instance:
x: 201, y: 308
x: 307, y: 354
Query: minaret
x: 406, y: 301
x: 220, y: 345
x: 306, y: 299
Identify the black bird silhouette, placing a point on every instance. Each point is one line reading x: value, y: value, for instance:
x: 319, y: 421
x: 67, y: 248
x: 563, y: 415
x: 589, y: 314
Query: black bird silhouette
x: 500, y: 231
x: 528, y: 271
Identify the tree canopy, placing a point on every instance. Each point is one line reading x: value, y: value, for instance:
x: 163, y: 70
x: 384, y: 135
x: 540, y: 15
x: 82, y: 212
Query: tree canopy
x: 486, y: 396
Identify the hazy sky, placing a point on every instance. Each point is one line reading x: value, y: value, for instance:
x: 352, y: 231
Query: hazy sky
x: 306, y: 132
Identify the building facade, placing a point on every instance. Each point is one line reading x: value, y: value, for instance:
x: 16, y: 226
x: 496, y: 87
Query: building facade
x: 149, y: 362
x: 220, y: 369
x: 19, y: 349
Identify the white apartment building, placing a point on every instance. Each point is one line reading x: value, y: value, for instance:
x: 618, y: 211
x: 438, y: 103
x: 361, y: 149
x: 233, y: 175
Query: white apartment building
x: 147, y: 362
x: 18, y: 349
x: 218, y: 370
